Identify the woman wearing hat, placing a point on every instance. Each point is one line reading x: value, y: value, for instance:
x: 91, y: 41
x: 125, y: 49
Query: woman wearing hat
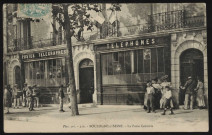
x: 200, y: 94
x: 7, y: 98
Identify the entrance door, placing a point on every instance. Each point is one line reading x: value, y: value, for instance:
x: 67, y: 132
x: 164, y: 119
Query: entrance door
x: 86, y: 81
x: 17, y: 71
x: 191, y: 64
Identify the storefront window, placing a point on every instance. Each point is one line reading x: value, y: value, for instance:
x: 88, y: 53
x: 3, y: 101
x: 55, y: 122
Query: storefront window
x: 45, y: 72
x: 132, y: 67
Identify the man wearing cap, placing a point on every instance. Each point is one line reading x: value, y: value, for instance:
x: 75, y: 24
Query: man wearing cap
x: 189, y: 92
x: 24, y: 94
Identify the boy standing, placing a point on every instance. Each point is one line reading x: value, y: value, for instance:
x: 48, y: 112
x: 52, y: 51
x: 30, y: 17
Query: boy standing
x: 168, y: 100
x: 150, y: 97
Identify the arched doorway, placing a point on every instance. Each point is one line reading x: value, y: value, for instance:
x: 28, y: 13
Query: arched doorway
x: 86, y: 80
x: 191, y: 64
x: 17, y: 73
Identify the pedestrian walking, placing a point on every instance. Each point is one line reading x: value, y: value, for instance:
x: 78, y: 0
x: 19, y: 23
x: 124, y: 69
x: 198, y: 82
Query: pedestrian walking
x: 200, y: 94
x: 36, y: 93
x: 61, y: 96
x: 30, y: 97
x: 16, y: 96
x: 69, y: 95
x: 168, y: 100
x: 189, y: 93
x: 24, y: 95
x: 150, y: 97
x: 7, y: 98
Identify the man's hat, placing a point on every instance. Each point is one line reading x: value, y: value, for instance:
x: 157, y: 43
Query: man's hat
x: 189, y: 77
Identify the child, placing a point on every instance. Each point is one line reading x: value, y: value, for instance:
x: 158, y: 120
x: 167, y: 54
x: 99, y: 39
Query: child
x: 61, y: 96
x: 150, y: 97
x: 168, y: 100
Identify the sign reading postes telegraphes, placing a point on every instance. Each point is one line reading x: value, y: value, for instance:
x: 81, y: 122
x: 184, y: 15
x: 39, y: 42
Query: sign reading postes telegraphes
x: 34, y: 10
x: 138, y: 43
x: 45, y: 54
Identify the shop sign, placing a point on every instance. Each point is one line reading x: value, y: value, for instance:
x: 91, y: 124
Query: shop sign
x: 145, y: 42
x: 44, y: 54
x: 134, y: 43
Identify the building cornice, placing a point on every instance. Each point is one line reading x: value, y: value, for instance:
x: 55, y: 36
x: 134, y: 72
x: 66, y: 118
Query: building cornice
x: 111, y: 40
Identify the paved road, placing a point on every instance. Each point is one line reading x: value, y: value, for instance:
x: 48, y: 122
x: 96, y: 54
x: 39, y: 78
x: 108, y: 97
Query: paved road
x: 113, y: 118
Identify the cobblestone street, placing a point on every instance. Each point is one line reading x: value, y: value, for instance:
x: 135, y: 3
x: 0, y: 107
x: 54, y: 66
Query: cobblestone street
x: 107, y: 118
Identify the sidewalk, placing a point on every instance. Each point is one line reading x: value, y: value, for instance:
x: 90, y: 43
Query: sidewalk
x: 119, y: 118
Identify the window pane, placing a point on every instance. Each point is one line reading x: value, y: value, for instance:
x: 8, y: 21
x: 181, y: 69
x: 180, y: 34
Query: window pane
x: 121, y: 62
x: 147, y: 57
x: 160, y: 60
x: 110, y: 64
x: 127, y: 62
x: 146, y: 66
x: 153, y: 61
x: 59, y: 68
x: 135, y: 61
x: 104, y: 64
x: 140, y: 61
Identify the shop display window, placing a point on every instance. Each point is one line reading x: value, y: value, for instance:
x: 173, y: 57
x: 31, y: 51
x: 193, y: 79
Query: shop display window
x: 45, y: 72
x: 132, y: 67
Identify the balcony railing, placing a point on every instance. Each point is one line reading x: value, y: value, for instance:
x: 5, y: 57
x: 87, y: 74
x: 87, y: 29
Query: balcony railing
x: 29, y: 43
x: 174, y: 20
x: 157, y: 22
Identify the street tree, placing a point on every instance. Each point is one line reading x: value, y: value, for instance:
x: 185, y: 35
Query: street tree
x: 74, y: 18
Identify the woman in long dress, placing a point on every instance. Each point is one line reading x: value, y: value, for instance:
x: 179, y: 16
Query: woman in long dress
x: 200, y: 94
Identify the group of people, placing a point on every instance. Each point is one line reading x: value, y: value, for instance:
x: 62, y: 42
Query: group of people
x: 159, y: 94
x: 15, y: 95
x: 193, y: 90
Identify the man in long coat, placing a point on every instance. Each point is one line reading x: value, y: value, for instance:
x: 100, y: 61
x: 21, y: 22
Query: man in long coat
x: 189, y: 93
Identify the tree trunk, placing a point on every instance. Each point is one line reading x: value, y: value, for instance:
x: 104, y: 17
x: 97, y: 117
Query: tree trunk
x: 74, y: 106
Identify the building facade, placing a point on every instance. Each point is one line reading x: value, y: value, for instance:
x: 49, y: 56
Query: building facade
x: 114, y: 62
